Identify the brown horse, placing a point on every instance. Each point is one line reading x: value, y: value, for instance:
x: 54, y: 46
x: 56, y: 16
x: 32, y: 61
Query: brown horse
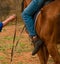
x: 48, y: 29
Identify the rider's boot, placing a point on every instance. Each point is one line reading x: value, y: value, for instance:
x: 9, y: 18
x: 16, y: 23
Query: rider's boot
x: 37, y: 42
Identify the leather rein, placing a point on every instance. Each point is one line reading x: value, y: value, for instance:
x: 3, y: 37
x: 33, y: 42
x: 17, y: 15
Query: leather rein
x: 14, y: 45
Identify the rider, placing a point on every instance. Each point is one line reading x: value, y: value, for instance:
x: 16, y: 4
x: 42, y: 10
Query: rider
x: 29, y: 22
x: 5, y: 22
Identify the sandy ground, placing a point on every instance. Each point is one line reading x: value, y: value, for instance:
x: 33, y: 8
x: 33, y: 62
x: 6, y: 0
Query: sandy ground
x: 22, y: 55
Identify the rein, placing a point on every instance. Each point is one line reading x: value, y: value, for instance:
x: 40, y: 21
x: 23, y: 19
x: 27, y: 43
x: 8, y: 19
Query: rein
x: 14, y: 38
x: 14, y: 46
x: 12, y: 50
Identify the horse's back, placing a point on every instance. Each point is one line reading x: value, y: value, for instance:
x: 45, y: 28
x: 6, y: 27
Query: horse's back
x: 48, y: 22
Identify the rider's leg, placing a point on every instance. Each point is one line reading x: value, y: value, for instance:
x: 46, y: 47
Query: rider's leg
x: 27, y: 15
x: 29, y: 21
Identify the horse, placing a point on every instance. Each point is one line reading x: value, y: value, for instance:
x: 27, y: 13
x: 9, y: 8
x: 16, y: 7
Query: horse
x: 47, y: 27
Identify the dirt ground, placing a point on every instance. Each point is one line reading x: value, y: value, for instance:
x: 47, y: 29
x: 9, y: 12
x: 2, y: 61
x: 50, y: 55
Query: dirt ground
x: 22, y: 55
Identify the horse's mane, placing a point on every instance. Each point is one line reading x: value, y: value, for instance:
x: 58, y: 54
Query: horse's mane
x: 22, y: 5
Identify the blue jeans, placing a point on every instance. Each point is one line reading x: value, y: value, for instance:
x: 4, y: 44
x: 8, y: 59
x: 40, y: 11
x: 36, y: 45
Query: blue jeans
x: 28, y: 13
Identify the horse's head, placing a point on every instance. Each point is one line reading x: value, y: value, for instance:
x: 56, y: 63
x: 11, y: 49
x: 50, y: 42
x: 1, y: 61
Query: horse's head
x: 24, y: 4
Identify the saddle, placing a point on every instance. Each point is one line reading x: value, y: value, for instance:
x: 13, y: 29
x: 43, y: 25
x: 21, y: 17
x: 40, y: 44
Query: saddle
x: 39, y: 10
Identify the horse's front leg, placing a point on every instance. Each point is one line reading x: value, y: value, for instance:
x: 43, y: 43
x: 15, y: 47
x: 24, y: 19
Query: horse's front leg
x: 43, y: 54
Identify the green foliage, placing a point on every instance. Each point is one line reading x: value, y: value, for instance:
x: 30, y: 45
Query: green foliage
x: 4, y: 63
x: 2, y: 57
x: 20, y: 62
